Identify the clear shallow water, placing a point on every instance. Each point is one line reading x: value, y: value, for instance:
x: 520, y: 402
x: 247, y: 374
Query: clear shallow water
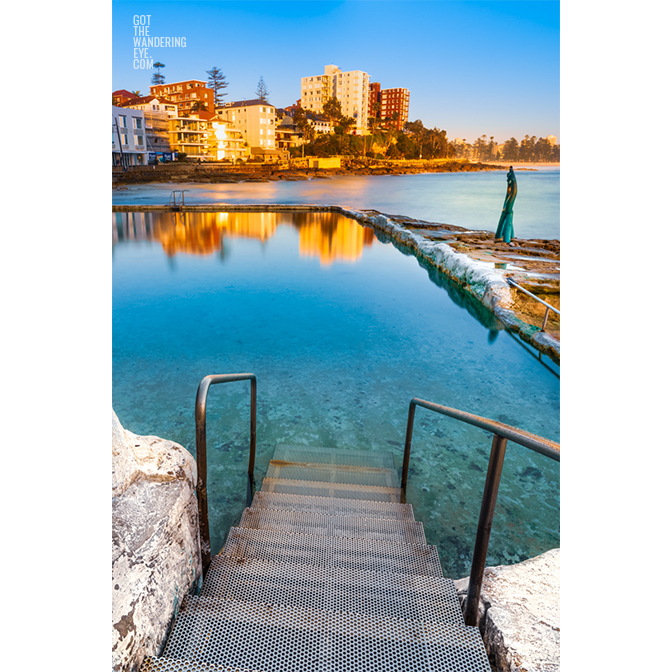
x: 341, y: 331
x: 471, y: 200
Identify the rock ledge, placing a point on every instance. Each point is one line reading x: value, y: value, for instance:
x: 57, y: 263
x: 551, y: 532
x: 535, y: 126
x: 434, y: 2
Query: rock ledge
x: 519, y: 614
x: 155, y: 541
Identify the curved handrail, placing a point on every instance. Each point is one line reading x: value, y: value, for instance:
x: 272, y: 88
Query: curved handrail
x: 536, y: 298
x: 537, y: 443
x: 201, y: 451
x: 501, y: 434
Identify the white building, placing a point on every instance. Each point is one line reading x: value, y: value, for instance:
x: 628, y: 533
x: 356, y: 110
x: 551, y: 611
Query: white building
x: 254, y: 118
x: 158, y: 112
x: 351, y: 89
x: 129, y: 137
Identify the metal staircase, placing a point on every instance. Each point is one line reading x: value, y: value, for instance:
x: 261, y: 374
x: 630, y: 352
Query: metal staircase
x: 326, y: 571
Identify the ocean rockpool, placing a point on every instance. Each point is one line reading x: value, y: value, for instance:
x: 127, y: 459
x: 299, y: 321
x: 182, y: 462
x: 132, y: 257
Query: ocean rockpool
x: 341, y: 330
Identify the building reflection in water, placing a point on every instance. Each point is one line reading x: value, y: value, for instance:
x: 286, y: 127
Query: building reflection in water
x: 327, y: 235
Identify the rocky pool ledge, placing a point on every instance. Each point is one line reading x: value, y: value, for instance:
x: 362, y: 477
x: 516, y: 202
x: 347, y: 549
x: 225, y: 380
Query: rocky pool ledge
x: 471, y: 259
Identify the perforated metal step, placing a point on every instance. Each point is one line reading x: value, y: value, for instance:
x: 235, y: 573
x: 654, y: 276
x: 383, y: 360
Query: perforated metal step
x: 335, y: 456
x: 327, y: 572
x: 301, y: 522
x: 277, y: 639
x: 308, y: 549
x: 314, y: 471
x: 333, y: 506
x: 340, y: 490
x: 154, y: 664
x: 426, y: 598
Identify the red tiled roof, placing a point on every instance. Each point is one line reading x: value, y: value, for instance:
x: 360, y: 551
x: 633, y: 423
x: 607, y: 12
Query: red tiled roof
x: 123, y: 93
x: 138, y: 101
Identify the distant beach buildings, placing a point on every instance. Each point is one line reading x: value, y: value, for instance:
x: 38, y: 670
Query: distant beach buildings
x: 183, y: 118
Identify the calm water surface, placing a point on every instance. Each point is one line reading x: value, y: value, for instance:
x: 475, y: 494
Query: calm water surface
x: 342, y: 330
x: 471, y: 200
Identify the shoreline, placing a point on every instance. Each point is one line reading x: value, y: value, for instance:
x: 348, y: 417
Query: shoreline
x: 298, y: 169
x: 471, y: 259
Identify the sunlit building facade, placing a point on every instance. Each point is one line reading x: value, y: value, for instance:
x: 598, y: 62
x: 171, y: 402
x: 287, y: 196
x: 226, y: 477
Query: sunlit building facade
x: 193, y: 135
x: 157, y: 112
x: 255, y: 119
x: 185, y: 94
x: 228, y: 142
x: 351, y: 89
x: 394, y: 107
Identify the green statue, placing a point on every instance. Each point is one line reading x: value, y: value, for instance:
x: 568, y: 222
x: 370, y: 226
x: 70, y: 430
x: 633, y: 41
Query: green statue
x: 505, y: 226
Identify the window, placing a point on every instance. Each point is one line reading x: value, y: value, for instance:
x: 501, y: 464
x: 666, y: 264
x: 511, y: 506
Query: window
x: 139, y: 141
x: 122, y: 120
x: 137, y: 122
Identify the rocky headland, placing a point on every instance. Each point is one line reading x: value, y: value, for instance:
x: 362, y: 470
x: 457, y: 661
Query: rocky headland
x: 221, y: 173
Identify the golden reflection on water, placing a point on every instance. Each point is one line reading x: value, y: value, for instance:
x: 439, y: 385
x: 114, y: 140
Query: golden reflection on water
x: 327, y: 235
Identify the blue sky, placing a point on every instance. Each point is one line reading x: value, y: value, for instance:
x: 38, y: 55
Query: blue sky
x: 472, y: 67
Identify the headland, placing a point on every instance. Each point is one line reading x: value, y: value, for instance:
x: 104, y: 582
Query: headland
x: 296, y: 169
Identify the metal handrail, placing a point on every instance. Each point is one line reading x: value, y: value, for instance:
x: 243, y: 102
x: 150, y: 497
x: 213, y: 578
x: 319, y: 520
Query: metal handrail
x: 548, y: 305
x: 502, y: 433
x: 201, y: 451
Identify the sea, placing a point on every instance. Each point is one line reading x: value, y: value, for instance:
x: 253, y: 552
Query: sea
x: 470, y: 200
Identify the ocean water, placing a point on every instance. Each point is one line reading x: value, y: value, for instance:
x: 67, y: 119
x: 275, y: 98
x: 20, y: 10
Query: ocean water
x: 470, y: 200
x: 342, y: 330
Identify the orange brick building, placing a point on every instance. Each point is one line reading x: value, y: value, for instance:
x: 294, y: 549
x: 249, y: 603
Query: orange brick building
x: 185, y: 94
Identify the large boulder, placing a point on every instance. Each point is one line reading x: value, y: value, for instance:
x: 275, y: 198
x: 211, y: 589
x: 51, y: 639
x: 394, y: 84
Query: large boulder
x: 155, y: 542
x: 519, y: 614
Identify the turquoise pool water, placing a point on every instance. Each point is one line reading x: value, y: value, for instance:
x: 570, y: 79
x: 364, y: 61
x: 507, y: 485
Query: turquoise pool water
x: 342, y: 330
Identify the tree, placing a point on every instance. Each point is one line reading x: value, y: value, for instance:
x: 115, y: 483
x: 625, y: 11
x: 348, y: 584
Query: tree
x: 480, y: 148
x: 262, y: 91
x: 157, y: 78
x: 332, y: 109
x: 344, y: 125
x: 217, y: 82
x: 374, y: 120
x: 199, y: 106
x: 302, y: 122
x: 510, y: 152
x: 492, y: 148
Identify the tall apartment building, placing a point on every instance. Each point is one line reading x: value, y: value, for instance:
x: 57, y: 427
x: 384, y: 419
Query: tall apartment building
x: 254, y: 118
x: 185, y: 94
x: 351, y: 89
x: 390, y: 102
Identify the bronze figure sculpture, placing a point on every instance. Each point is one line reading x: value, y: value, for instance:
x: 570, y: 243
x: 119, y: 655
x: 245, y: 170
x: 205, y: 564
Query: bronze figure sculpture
x: 505, y: 226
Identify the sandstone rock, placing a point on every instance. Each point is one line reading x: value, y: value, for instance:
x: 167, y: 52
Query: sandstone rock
x: 155, y: 541
x: 519, y: 614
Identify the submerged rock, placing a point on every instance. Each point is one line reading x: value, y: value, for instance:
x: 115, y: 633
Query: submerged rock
x: 519, y: 614
x: 155, y: 541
